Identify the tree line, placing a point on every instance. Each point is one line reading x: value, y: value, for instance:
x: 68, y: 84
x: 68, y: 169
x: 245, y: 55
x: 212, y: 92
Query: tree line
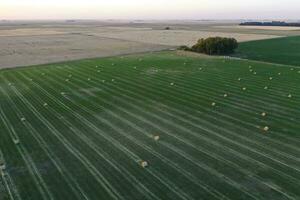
x: 213, y: 46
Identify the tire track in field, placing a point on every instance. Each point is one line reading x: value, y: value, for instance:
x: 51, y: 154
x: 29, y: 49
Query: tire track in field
x: 93, y: 146
x: 135, y: 158
x: 91, y: 114
x: 219, y: 160
x: 232, y: 133
x: 39, y: 181
x: 124, y: 134
x: 189, y: 94
x: 6, y: 178
x: 99, y: 177
x: 252, y: 125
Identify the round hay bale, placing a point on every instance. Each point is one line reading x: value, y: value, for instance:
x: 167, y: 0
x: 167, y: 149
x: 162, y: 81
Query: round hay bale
x: 279, y: 74
x: 244, y: 88
x: 144, y: 164
x: 112, y: 80
x: 225, y: 95
x: 266, y: 128
x: 266, y: 87
x: 250, y: 66
x: 292, y: 69
x: 23, y: 119
x: 45, y: 104
x: 98, y: 71
x: 200, y: 68
x: 172, y: 84
x: 263, y: 114
x: 156, y: 137
x: 290, y: 96
x: 239, y: 79
x: 251, y: 70
x: 89, y: 79
x: 67, y: 80
x: 271, y: 78
x: 213, y: 104
x: 254, y: 73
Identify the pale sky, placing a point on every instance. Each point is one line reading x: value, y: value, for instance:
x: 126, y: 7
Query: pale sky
x: 149, y: 9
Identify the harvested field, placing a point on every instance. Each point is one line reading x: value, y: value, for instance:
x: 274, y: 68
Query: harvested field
x: 38, y: 42
x: 177, y: 37
x: 95, y: 135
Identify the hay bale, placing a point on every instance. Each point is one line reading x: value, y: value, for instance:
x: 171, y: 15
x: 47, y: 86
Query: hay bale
x: 225, y: 95
x: 290, y: 96
x: 89, y: 79
x: 213, y: 104
x: 112, y: 80
x: 244, y: 88
x: 156, y: 137
x: 67, y: 80
x: 172, y: 84
x: 98, y: 71
x: 200, y: 68
x: 263, y: 114
x: 254, y: 73
x: 251, y: 70
x: 62, y: 93
x: 279, y: 74
x: 23, y: 119
x: 45, y: 104
x: 239, y: 79
x: 271, y: 78
x: 144, y: 164
x: 266, y: 87
x: 292, y: 69
x: 266, y: 128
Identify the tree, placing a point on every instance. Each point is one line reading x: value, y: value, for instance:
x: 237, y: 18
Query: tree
x: 215, y: 46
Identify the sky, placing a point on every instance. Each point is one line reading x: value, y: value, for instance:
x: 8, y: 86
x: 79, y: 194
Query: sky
x: 149, y: 9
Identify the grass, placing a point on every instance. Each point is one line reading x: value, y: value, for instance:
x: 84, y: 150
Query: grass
x: 280, y: 50
x: 85, y: 127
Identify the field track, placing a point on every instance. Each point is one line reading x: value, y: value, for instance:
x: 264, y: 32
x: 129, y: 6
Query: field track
x: 228, y: 129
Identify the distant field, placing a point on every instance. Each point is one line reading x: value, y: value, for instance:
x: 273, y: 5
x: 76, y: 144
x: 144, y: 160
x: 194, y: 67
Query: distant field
x: 274, y: 28
x: 279, y: 50
x: 228, y: 129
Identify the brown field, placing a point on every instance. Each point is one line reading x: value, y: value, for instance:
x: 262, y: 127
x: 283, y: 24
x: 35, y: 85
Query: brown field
x: 37, y: 42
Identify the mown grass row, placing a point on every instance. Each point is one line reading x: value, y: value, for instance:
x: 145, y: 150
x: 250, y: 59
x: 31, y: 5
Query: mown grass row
x: 86, y: 136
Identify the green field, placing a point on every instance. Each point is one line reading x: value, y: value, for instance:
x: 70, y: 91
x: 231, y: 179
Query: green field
x: 280, y: 50
x: 228, y: 129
